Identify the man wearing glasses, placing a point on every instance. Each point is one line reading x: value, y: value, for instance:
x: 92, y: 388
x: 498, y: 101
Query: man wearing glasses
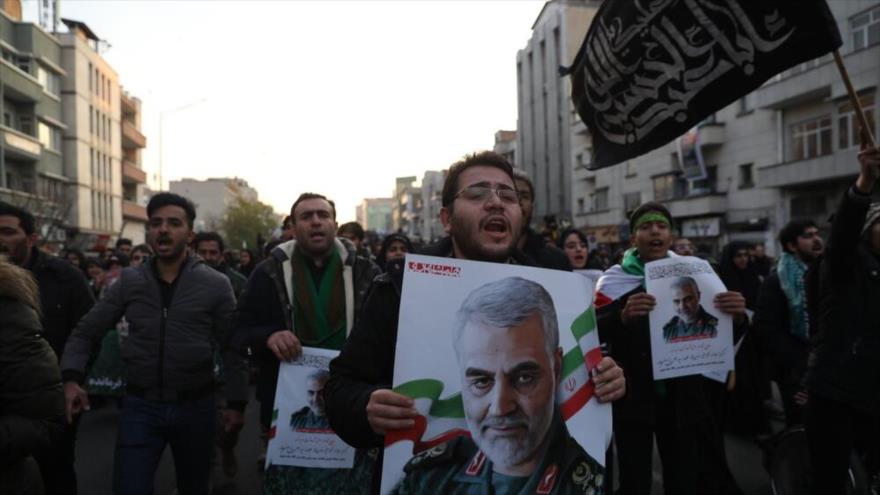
x: 482, y: 217
x: 781, y: 313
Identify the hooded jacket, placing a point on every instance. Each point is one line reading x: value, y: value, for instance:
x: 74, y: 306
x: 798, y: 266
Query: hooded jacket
x: 31, y: 400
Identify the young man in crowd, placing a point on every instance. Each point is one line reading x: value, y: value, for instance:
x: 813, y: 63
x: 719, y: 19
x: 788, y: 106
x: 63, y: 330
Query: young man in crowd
x: 483, y: 219
x: 65, y: 296
x: 781, y: 316
x: 844, y: 372
x: 532, y: 244
x: 210, y: 247
x: 307, y: 292
x: 676, y: 410
x: 179, y: 309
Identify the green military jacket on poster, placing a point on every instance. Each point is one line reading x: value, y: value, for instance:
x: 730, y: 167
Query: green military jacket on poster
x: 459, y: 467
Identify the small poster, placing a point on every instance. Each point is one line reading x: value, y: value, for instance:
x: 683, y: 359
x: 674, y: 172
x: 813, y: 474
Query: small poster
x: 688, y: 335
x: 300, y: 433
x: 499, y: 359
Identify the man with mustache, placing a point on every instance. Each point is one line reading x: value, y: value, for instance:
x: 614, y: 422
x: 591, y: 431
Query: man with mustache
x: 507, y: 346
x: 65, y: 297
x: 482, y: 216
x: 691, y: 321
x: 781, y: 314
x: 179, y: 309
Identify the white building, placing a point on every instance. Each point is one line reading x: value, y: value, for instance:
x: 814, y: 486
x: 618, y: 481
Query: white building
x: 212, y: 197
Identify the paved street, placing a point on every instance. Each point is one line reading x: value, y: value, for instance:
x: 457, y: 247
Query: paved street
x: 97, y: 435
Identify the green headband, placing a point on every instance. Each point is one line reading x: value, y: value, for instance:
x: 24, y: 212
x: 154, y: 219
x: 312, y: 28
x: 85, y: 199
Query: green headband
x: 651, y: 216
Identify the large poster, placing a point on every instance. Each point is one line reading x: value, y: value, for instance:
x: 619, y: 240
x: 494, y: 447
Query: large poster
x: 499, y: 360
x: 688, y: 335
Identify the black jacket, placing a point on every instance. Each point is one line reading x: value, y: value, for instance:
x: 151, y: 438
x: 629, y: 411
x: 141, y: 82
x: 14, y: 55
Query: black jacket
x: 65, y: 297
x: 787, y: 353
x: 31, y: 400
x: 265, y: 307
x: 845, y: 366
x: 544, y: 255
x: 366, y: 363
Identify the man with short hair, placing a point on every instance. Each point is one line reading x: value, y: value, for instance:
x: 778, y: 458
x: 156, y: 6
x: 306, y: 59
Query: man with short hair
x: 287, y: 230
x: 179, y: 311
x: 763, y: 263
x: 676, y: 411
x: 691, y: 321
x: 536, y: 246
x: 210, y: 247
x: 354, y: 233
x: 682, y: 246
x: 312, y: 415
x: 124, y: 246
x: 307, y: 292
x: 482, y: 217
x: 781, y: 314
x: 65, y: 296
x: 506, y: 341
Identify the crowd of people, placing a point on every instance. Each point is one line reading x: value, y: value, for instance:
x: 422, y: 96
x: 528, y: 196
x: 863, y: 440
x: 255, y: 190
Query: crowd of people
x: 177, y: 328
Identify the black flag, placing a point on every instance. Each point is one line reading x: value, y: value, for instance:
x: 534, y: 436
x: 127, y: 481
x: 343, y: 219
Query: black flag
x: 649, y: 70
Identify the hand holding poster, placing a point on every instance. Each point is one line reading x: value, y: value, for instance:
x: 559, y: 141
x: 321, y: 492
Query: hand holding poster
x: 688, y: 335
x: 304, y: 455
x: 498, y: 360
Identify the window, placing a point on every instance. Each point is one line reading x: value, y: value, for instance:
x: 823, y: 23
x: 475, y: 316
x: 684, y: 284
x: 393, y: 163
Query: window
x: 746, y: 176
x: 747, y: 103
x: 49, y: 136
x: 26, y: 124
x: 631, y: 170
x: 811, y: 138
x: 631, y: 201
x: 600, y: 199
x: 91, y: 120
x: 848, y: 123
x: 865, y: 28
x: 704, y: 186
x: 50, y: 81
x: 808, y: 206
x: 91, y: 83
x: 668, y: 186
x: 581, y: 208
x: 7, y: 119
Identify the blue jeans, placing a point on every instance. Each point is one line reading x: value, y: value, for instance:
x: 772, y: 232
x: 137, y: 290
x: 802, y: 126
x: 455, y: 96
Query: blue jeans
x: 146, y: 426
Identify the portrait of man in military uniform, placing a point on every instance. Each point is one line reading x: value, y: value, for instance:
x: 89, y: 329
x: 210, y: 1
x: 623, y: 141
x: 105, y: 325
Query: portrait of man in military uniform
x: 506, y: 341
x: 311, y: 416
x: 691, y: 321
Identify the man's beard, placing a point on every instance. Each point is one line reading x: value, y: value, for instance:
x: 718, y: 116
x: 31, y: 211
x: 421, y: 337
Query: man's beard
x: 513, y: 451
x: 466, y: 241
x: 175, y: 253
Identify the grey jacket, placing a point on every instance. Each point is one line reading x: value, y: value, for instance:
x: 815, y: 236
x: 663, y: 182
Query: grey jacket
x: 169, y: 351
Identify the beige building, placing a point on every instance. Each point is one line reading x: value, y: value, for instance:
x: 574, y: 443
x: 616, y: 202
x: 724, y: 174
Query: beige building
x: 134, y: 179
x: 375, y: 214
x: 212, y: 197
x: 92, y: 148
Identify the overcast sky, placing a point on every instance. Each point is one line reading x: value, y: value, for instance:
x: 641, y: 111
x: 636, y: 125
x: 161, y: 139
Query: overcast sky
x: 332, y: 97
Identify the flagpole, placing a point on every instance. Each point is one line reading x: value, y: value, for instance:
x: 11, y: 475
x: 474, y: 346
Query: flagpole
x: 854, y: 99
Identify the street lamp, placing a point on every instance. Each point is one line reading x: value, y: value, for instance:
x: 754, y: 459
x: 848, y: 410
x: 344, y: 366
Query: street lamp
x: 162, y: 115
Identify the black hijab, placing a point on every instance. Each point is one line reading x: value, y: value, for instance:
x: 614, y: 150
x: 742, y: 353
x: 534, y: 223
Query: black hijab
x: 747, y: 281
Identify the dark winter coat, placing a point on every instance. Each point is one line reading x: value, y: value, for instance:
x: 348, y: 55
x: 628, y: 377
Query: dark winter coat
x: 845, y: 366
x: 65, y: 297
x: 265, y: 307
x: 544, y: 255
x: 31, y: 399
x: 787, y: 352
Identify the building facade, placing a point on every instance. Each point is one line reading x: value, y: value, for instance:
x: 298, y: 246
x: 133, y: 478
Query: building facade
x: 545, y: 127
x: 375, y: 214
x: 92, y: 146
x: 432, y: 200
x: 406, y: 214
x: 134, y: 179
x: 212, y: 197
x: 32, y: 169
x: 786, y: 151
x: 505, y: 145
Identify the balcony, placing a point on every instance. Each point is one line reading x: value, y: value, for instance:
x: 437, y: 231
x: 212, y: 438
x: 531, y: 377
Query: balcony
x: 132, y: 174
x: 19, y: 86
x: 132, y: 137
x: 838, y: 165
x: 127, y: 105
x: 707, y: 204
x: 20, y: 146
x: 133, y: 211
x: 712, y: 135
x: 822, y: 81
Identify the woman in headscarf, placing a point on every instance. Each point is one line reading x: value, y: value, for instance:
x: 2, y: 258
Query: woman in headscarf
x: 574, y: 243
x: 394, y: 248
x: 246, y: 262
x: 739, y: 273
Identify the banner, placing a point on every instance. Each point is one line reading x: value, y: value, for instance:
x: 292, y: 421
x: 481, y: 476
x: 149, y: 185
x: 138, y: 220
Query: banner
x: 690, y: 155
x: 498, y: 358
x: 688, y: 335
x: 649, y: 71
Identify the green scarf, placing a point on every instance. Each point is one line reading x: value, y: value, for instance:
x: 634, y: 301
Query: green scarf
x: 632, y: 264
x: 319, y: 309
x: 791, y: 271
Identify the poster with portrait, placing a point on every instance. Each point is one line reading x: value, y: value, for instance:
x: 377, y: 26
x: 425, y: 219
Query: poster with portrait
x: 498, y: 359
x: 688, y: 335
x: 300, y: 434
